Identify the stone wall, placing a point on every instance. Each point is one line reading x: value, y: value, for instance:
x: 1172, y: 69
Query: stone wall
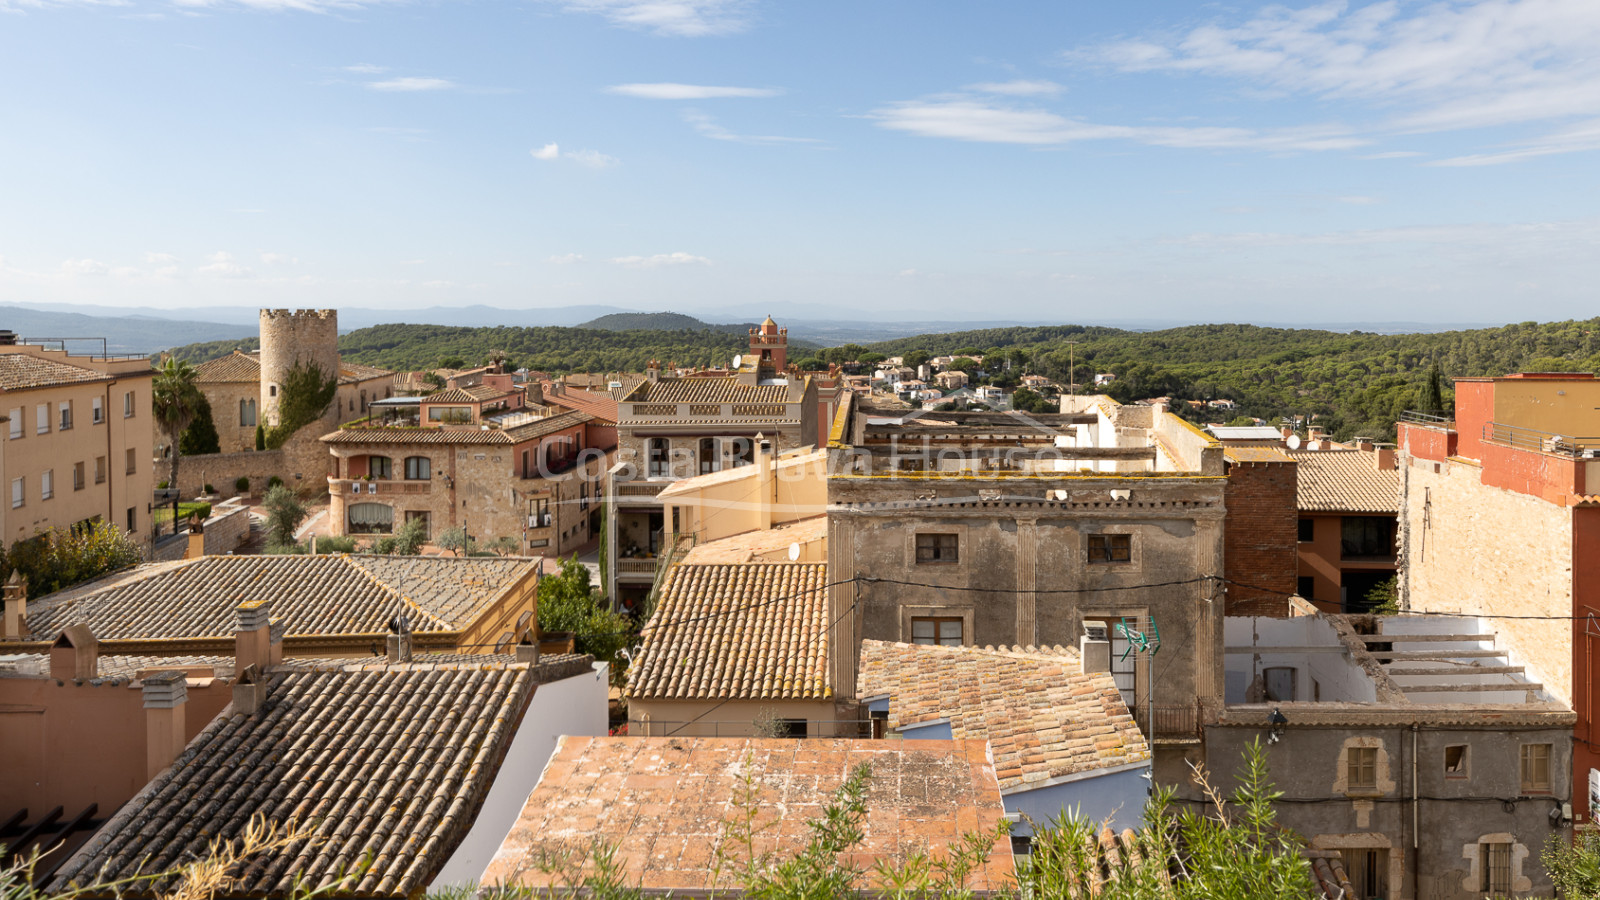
x: 221, y: 470
x: 1261, y: 538
x: 1471, y: 549
x: 224, y: 532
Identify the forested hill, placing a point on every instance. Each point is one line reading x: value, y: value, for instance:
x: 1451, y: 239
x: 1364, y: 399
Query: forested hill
x: 1355, y: 383
x: 661, y: 321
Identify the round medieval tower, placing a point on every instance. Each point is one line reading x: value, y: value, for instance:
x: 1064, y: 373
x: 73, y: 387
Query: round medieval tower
x: 289, y: 338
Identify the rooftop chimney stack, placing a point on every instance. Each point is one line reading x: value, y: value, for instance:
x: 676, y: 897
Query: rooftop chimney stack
x: 529, y: 652
x: 75, y: 655
x: 15, y: 594
x: 197, y: 539
x: 399, y: 647
x: 249, y: 691
x: 253, y: 640
x: 165, y: 696
x: 1383, y: 460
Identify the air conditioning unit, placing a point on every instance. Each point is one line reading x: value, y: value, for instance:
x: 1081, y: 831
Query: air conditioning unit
x: 372, y: 487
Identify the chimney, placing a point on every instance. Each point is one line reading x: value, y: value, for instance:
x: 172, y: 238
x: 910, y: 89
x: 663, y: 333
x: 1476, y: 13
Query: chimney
x: 653, y: 370
x: 1313, y: 432
x: 275, y: 643
x: 399, y: 647
x: 249, y: 691
x: 75, y: 655
x: 253, y: 640
x: 528, y: 652
x: 1287, y: 432
x: 764, y: 484
x: 1095, y: 654
x: 15, y: 594
x: 1383, y: 460
x: 197, y: 539
x: 1364, y: 444
x: 165, y: 695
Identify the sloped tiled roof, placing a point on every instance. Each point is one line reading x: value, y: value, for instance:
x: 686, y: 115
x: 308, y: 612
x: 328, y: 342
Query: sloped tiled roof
x: 311, y: 595
x: 237, y: 366
x: 1256, y: 455
x: 351, y: 372
x: 665, y: 802
x: 750, y: 631
x: 388, y: 765
x: 1345, y: 481
x: 19, y: 372
x: 404, y: 435
x: 707, y: 390
x: 752, y: 544
x: 599, y: 404
x: 454, y: 395
x: 1042, y: 716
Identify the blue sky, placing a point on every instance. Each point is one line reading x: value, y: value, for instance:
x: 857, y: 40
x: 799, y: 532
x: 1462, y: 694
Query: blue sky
x: 1419, y: 161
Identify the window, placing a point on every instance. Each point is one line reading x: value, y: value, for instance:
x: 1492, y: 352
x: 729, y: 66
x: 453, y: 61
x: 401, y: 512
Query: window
x: 97, y: 410
x: 272, y: 390
x: 127, y: 405
x: 1536, y: 768
x: 1494, y: 864
x: 427, y: 530
x: 77, y: 476
x: 1280, y: 682
x: 1110, y: 548
x: 583, y: 497
x: 1369, y: 871
x: 1308, y: 530
x: 539, y: 513
x: 380, y: 466
x: 132, y: 460
x: 1361, y: 769
x: 16, y: 422
x: 744, y: 453
x: 65, y: 411
x: 709, y: 460
x: 1306, y: 586
x: 247, y: 413
x: 656, y: 457
x: 1367, y: 536
x: 938, y: 548
x: 790, y: 728
x: 99, y: 470
x: 47, y: 484
x: 16, y: 492
x: 942, y: 630
x: 1455, y: 761
x: 41, y: 418
x: 371, y: 518
x: 133, y: 520
x: 419, y: 468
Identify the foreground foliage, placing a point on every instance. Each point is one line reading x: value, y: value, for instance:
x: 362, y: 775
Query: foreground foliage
x: 568, y: 602
x: 59, y: 558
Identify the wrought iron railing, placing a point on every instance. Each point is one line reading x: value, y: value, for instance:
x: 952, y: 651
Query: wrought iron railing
x: 1428, y: 417
x: 1157, y: 722
x: 1533, y: 439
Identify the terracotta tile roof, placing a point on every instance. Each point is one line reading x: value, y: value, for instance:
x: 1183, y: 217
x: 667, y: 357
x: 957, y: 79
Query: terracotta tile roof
x: 665, y: 802
x: 751, y: 631
x: 458, y: 395
x: 1256, y: 455
x: 549, y: 425
x: 474, y: 434
x: 746, y: 547
x: 707, y: 390
x: 352, y: 372
x: 19, y: 372
x: 601, y: 405
x: 391, y: 765
x: 1345, y: 481
x: 235, y: 367
x: 320, y: 595
x: 1042, y: 716
x: 117, y: 669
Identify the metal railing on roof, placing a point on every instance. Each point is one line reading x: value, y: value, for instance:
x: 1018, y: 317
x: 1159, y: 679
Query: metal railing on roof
x: 1533, y: 439
x: 1428, y: 417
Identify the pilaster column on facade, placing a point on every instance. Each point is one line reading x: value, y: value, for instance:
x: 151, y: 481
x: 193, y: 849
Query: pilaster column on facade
x: 1208, y: 658
x: 1027, y: 580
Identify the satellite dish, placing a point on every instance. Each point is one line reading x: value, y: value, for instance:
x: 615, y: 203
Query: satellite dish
x: 737, y: 360
x: 794, y: 552
x: 1293, y: 442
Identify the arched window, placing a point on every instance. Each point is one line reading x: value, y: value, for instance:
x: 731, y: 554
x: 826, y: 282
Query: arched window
x: 380, y: 467
x: 371, y: 518
x: 418, y: 468
x: 247, y: 413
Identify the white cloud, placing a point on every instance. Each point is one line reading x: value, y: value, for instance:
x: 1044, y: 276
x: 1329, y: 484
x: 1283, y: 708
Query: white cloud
x: 367, y: 69
x: 971, y: 119
x: 1578, y: 237
x: 1394, y: 154
x: 223, y: 266
x: 1021, y: 87
x: 548, y: 151
x: 677, y: 18
x: 565, y: 259
x: 160, y: 258
x: 659, y: 260
x: 1580, y: 137
x: 593, y: 159
x: 278, y: 259
x: 672, y: 91
x: 708, y: 127
x: 84, y: 267
x: 412, y: 84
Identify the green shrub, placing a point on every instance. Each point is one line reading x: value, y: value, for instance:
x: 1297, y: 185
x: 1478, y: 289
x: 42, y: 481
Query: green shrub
x: 285, y: 512
x: 242, y: 484
x: 261, y: 437
x: 59, y: 558
x: 210, y: 490
x: 273, y: 482
x: 161, y: 486
x: 335, y: 544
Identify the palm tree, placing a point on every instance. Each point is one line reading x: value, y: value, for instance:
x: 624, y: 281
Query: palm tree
x: 177, y: 401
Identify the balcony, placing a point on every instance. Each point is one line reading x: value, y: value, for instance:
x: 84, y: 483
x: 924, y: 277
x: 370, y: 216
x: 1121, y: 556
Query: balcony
x: 639, y: 491
x: 1168, y: 724
x: 379, y: 487
x: 645, y: 567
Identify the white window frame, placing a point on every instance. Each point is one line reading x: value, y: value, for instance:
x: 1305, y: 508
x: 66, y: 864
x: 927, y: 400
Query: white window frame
x: 16, y: 423
x: 127, y: 405
x: 47, y: 484
x: 41, y: 418
x: 97, y: 408
x: 18, y: 492
x: 64, y: 415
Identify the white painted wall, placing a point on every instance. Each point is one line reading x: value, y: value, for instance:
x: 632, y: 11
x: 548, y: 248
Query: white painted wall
x: 575, y: 705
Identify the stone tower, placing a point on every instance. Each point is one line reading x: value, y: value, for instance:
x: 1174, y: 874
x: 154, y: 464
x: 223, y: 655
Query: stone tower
x: 287, y: 338
x: 771, y: 344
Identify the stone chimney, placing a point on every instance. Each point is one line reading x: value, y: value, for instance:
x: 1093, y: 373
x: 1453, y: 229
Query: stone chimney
x: 16, y: 599
x: 253, y: 639
x: 197, y: 539
x: 275, y: 647
x: 653, y: 370
x: 165, y: 696
x: 75, y: 655
x: 1286, y: 431
x: 1313, y: 432
x: 249, y: 691
x: 529, y: 652
x: 399, y: 647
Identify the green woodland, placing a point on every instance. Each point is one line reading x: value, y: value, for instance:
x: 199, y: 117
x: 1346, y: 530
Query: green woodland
x: 1351, y: 383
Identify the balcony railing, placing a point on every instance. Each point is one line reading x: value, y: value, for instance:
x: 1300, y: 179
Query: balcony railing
x: 1435, y: 417
x: 1533, y: 439
x: 379, y: 487
x: 1168, y: 722
x: 646, y: 566
x: 640, y: 488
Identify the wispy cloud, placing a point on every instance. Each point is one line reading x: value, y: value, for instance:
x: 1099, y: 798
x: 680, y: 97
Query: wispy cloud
x: 667, y: 90
x: 975, y: 119
x: 278, y: 259
x: 659, y: 260
x: 709, y: 127
x: 1019, y: 88
x: 367, y: 69
x: 1567, y: 237
x: 593, y: 159
x: 222, y: 265
x: 1394, y: 154
x: 676, y: 18
x: 84, y: 267
x: 160, y: 259
x: 412, y: 83
x: 1580, y: 137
